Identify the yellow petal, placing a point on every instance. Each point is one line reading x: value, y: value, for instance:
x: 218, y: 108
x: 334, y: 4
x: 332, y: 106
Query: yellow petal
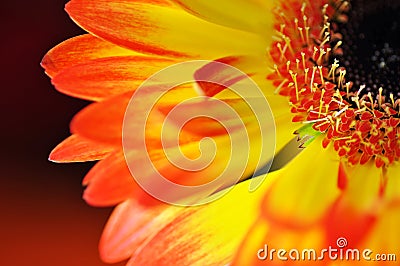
x: 392, y: 187
x: 254, y: 16
x: 364, y: 184
x: 305, y: 189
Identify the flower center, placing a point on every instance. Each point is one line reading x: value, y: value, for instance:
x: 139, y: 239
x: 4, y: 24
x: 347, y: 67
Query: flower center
x: 338, y: 65
x: 371, y: 47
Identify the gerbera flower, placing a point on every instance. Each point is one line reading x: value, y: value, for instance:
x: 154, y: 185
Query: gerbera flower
x: 343, y: 185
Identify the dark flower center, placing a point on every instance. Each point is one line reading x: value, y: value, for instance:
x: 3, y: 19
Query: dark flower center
x: 371, y: 46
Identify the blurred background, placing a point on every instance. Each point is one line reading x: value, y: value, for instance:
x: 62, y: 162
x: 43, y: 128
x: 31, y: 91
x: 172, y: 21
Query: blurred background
x: 44, y: 220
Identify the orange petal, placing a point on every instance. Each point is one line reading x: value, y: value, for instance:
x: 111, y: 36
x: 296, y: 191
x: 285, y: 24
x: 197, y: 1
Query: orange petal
x: 128, y: 228
x: 159, y: 27
x: 254, y: 16
x: 102, y: 121
x: 106, y: 77
x: 78, y: 149
x: 109, y: 182
x: 78, y: 50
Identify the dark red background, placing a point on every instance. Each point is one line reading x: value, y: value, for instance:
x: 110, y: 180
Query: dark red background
x: 43, y: 219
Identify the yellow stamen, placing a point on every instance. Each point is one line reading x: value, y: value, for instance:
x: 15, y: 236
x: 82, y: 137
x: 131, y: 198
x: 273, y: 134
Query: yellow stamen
x: 336, y: 114
x: 321, y: 102
x: 372, y: 100
x: 324, y: 8
x: 294, y: 77
x: 277, y: 70
x: 279, y: 45
x: 328, y: 53
x: 288, y: 44
x: 392, y: 99
x: 312, y: 78
x: 288, y: 66
x: 332, y: 72
x: 339, y: 43
x: 307, y: 35
x: 321, y: 75
x: 348, y: 88
x: 305, y: 20
x: 306, y: 75
x: 327, y: 39
x: 342, y: 74
x: 380, y: 97
x: 301, y: 34
x: 321, y: 54
x: 303, y: 59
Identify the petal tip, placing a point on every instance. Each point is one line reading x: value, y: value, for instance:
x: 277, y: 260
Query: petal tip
x: 47, y: 64
x: 54, y: 156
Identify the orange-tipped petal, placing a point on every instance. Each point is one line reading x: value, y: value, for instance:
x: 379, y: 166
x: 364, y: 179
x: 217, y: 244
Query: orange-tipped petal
x: 204, y: 235
x: 78, y: 149
x: 254, y: 16
x: 79, y: 50
x: 188, y: 235
x: 160, y: 27
x: 106, y: 77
